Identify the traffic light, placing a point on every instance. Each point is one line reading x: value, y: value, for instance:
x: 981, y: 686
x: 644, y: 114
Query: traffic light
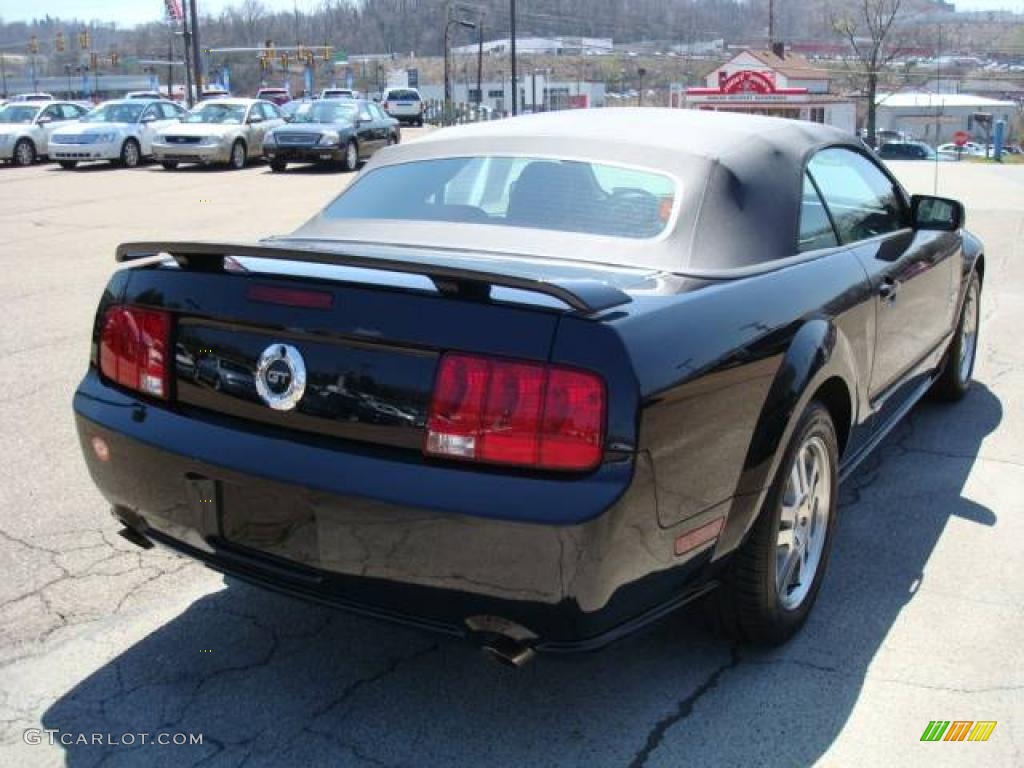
x: 326, y: 54
x: 114, y: 58
x: 83, y: 40
x: 58, y: 43
x: 300, y: 53
x: 33, y: 45
x: 284, y: 59
x: 94, y: 61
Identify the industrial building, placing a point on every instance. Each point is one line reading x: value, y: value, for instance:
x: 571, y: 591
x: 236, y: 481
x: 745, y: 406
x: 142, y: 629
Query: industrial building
x: 935, y: 117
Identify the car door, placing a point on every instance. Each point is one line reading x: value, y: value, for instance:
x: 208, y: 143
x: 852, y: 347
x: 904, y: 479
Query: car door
x: 368, y: 131
x: 254, y: 129
x: 151, y: 121
x: 47, y: 122
x: 385, y: 121
x: 913, y: 272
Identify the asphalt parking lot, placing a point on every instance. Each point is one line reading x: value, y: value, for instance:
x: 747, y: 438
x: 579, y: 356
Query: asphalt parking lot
x: 921, y: 616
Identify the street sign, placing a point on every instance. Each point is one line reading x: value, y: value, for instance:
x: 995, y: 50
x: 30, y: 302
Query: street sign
x: 413, y: 76
x: 961, y: 137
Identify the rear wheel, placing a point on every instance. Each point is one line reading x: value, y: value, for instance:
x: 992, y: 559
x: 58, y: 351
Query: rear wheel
x: 238, y: 155
x: 130, y: 154
x: 955, y: 379
x: 67, y: 165
x: 24, y: 152
x: 278, y: 165
x: 775, y: 576
x: 351, y: 157
x: 169, y: 165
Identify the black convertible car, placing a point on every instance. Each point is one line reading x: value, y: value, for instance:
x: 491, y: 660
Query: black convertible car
x: 340, y: 131
x: 569, y: 374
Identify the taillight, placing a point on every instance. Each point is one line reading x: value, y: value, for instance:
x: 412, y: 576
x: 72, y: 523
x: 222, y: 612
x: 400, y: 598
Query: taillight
x: 134, y: 349
x: 523, y: 414
x: 387, y: 105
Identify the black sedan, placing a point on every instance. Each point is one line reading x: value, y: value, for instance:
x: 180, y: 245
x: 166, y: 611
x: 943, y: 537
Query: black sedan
x: 345, y: 131
x: 538, y: 382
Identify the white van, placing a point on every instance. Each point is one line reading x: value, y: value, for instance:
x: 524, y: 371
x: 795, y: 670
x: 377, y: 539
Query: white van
x: 403, y: 104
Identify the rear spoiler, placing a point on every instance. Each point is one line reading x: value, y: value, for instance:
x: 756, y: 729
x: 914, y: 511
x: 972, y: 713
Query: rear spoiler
x: 588, y: 296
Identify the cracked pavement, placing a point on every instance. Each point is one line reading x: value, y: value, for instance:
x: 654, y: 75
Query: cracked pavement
x: 920, y: 617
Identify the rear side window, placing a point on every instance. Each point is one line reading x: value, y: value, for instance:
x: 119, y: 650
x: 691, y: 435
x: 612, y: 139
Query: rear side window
x: 863, y: 201
x: 815, y: 226
x: 527, y: 192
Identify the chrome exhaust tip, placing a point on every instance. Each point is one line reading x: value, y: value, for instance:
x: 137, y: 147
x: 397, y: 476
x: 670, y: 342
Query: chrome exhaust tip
x: 508, y: 652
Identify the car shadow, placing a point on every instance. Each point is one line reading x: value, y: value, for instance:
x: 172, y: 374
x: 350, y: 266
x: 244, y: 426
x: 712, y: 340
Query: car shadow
x: 314, y: 169
x: 273, y: 681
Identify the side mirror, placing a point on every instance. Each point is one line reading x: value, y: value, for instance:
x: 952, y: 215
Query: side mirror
x: 255, y: 119
x: 44, y: 119
x: 289, y: 118
x: 148, y: 119
x: 936, y: 213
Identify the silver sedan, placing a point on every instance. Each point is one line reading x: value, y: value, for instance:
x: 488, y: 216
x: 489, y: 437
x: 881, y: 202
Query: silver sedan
x: 218, y: 131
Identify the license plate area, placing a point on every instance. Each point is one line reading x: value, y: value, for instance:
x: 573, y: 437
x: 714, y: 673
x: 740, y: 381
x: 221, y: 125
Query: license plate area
x: 281, y: 525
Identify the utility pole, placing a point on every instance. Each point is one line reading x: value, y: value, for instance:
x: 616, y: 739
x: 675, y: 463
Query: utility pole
x: 771, y: 24
x: 480, y: 60
x: 3, y: 73
x: 186, y: 37
x: 512, y: 42
x: 197, y: 61
x: 447, y: 108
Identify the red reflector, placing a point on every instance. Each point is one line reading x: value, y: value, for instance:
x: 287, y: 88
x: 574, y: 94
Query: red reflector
x: 133, y: 349
x: 290, y: 297
x: 523, y: 414
x: 698, y: 536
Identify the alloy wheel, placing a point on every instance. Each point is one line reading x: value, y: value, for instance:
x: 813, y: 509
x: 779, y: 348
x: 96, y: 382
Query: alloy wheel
x: 238, y: 156
x: 131, y: 154
x: 351, y: 156
x: 24, y: 154
x: 803, y: 523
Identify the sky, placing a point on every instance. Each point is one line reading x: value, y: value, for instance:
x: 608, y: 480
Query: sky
x: 131, y: 12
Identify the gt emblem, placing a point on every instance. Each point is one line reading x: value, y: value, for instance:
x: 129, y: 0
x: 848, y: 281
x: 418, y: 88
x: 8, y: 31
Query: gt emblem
x: 281, y: 377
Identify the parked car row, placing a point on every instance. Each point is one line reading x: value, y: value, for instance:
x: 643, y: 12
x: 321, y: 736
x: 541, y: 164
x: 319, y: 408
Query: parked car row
x: 226, y: 131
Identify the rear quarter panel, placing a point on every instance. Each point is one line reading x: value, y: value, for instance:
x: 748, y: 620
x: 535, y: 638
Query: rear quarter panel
x: 725, y: 368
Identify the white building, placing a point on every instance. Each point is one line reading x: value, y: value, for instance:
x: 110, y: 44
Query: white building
x: 543, y: 46
x: 775, y: 83
x: 536, y: 93
x: 935, y: 117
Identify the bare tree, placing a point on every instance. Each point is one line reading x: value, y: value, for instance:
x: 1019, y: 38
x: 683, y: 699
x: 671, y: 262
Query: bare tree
x: 869, y: 32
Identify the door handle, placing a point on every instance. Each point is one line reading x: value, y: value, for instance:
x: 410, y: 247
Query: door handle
x: 888, y: 290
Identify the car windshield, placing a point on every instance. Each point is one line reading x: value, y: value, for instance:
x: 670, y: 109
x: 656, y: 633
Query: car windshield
x: 217, y: 113
x: 115, y: 113
x: 324, y: 112
x: 528, y: 192
x: 18, y: 114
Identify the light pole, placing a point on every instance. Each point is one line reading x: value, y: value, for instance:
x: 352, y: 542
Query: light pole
x: 512, y: 43
x: 449, y: 22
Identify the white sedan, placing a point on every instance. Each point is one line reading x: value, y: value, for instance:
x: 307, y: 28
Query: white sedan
x: 121, y: 131
x: 26, y: 128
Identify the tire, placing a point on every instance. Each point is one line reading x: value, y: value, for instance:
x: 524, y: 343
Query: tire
x: 958, y: 368
x: 67, y: 165
x: 238, y: 156
x: 419, y: 122
x: 277, y: 166
x: 131, y: 154
x: 351, y: 160
x: 757, y: 603
x: 169, y: 165
x: 24, y: 153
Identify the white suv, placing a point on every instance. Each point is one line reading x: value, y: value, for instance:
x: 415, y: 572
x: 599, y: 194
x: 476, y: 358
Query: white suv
x: 403, y: 104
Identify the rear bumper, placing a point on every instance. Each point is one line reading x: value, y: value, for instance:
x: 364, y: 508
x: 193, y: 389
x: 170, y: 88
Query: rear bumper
x: 577, y: 563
